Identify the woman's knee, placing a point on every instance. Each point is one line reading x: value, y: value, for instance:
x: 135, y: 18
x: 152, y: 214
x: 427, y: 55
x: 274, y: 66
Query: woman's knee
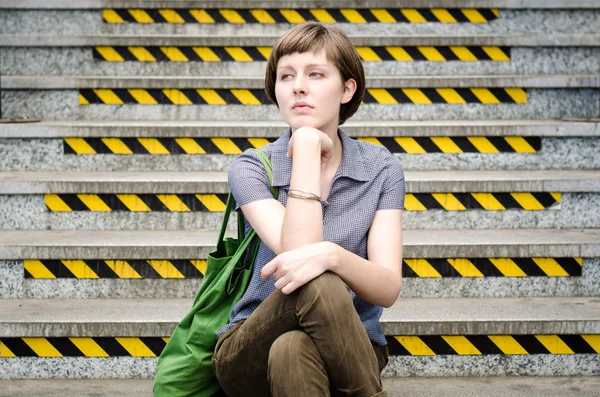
x: 331, y: 288
x: 288, y: 346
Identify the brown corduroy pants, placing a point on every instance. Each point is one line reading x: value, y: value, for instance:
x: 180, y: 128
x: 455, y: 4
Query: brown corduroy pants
x: 308, y: 343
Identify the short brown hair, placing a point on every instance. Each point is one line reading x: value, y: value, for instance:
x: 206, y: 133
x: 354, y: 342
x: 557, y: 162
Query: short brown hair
x: 314, y: 36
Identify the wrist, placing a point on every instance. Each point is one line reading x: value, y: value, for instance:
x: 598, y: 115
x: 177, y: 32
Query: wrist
x: 333, y: 252
x: 308, y: 133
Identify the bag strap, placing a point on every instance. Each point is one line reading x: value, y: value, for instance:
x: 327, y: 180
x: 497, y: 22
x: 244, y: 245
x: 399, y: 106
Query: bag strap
x: 252, y: 239
x: 231, y: 203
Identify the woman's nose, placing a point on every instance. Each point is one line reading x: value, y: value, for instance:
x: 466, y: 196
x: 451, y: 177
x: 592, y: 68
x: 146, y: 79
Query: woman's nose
x: 299, y: 86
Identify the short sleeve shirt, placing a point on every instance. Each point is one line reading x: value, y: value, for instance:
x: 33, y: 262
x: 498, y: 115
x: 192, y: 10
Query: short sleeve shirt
x: 369, y: 178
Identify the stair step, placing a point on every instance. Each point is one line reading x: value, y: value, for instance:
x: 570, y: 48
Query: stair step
x: 422, y: 278
x: 504, y: 39
x: 252, y: 82
x: 408, y: 317
x: 49, y: 145
x: 196, y: 200
x: 522, y: 386
x: 84, y: 61
x: 47, y: 129
x: 426, y: 337
x: 533, y: 103
x: 157, y: 182
x: 196, y: 244
x: 98, y: 4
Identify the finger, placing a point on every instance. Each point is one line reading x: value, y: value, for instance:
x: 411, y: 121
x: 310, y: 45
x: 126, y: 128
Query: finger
x: 282, y: 282
x: 277, y: 274
x: 267, y: 269
x: 289, y: 288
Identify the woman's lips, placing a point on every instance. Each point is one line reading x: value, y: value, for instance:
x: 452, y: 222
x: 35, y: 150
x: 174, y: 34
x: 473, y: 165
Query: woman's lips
x: 302, y: 107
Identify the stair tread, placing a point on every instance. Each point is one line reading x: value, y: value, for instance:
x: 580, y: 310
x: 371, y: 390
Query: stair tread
x: 505, y: 386
x: 192, y: 244
x: 408, y: 316
x: 99, y: 4
x: 440, y: 39
x: 273, y: 129
x: 35, y: 182
x: 257, y: 82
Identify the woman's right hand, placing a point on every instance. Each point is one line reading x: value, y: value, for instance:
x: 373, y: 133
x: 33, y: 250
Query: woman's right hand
x: 325, y: 143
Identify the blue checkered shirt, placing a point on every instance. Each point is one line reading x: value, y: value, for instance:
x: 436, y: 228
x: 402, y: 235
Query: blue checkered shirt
x: 369, y: 178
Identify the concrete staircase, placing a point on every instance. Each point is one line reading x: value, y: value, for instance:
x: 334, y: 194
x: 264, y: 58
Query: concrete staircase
x: 117, y: 134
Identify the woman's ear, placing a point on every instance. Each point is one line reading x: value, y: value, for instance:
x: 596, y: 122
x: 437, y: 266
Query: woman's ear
x: 349, y: 90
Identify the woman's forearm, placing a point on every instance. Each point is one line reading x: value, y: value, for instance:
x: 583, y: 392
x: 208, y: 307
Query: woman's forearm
x: 303, y: 220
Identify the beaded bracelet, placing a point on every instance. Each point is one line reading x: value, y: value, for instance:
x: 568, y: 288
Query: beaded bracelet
x: 303, y: 194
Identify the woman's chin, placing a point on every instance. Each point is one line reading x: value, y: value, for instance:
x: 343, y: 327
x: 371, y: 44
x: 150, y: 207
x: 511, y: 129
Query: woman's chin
x: 298, y: 122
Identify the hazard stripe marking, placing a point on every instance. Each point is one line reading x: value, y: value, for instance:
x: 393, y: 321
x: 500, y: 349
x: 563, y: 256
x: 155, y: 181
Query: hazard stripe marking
x: 489, y: 344
x: 234, y: 146
x: 269, y: 16
x: 409, y: 345
x: 412, y: 268
x: 82, y: 347
x: 258, y: 54
x: 383, y: 96
x: 216, y: 202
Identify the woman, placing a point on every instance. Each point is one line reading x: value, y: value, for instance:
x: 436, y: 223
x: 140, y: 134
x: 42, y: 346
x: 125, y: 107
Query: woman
x: 308, y: 324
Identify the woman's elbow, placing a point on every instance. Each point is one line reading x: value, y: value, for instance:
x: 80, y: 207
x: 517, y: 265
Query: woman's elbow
x: 394, y: 295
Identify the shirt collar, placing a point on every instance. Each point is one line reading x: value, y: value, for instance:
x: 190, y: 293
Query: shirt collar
x: 352, y: 165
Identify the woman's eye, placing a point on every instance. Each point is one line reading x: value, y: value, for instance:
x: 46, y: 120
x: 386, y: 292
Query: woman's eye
x: 313, y: 73
x: 283, y: 76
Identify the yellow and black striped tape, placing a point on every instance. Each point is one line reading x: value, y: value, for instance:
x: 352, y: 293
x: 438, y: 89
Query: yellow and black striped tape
x: 492, y: 267
x: 124, y: 269
x: 411, y: 268
x: 235, y: 146
x: 425, y: 345
x: 295, y: 16
x: 475, y: 345
x: 382, y: 96
x: 254, y: 54
x: 82, y: 347
x: 533, y: 201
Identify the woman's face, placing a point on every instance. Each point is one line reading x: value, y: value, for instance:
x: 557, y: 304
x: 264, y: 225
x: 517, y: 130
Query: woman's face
x: 309, y: 91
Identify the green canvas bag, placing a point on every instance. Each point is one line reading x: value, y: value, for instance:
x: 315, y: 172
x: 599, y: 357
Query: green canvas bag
x: 184, y: 367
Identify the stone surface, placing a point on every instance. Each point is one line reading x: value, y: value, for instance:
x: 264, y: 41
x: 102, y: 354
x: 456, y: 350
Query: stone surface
x: 77, y: 368
x: 63, y: 105
x: 451, y: 287
x: 257, y: 82
x: 90, y: 22
x: 29, y: 212
x: 49, y: 129
x: 399, y: 366
x: 395, y: 387
x: 70, y: 61
x: 494, y: 365
x: 441, y: 316
x: 11, y: 280
x: 144, y: 244
x: 47, y: 155
x: 110, y: 289
x: 12, y: 285
x: 587, y: 181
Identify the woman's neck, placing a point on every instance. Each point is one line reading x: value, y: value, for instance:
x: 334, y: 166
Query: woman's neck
x: 336, y: 157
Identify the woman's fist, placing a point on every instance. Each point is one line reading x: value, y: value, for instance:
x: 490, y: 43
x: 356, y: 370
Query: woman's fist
x: 325, y: 143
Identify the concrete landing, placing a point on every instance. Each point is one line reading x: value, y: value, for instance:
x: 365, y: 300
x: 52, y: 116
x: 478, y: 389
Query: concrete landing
x: 396, y: 387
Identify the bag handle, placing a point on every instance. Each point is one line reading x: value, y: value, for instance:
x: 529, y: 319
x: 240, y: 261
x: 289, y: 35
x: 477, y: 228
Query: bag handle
x: 231, y: 203
x: 252, y: 237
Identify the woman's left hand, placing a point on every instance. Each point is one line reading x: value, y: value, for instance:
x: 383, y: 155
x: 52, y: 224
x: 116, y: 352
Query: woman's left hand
x: 293, y: 269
